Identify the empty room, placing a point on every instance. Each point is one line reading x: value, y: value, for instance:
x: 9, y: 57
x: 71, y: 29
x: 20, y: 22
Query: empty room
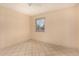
x: 39, y: 29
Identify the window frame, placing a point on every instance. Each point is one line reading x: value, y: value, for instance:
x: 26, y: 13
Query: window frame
x: 37, y: 30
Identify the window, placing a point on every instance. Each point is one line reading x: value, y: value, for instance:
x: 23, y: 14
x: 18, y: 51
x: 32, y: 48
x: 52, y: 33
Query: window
x: 40, y: 24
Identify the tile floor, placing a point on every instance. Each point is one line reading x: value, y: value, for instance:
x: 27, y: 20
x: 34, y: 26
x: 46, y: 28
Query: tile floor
x: 37, y: 48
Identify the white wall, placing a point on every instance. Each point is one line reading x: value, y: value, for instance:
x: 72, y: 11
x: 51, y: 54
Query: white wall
x: 60, y: 27
x: 14, y: 27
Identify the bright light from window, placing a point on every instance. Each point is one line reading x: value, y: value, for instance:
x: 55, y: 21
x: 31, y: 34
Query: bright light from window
x: 40, y: 23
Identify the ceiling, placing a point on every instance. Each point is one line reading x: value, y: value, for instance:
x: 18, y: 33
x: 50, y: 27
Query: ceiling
x: 36, y: 8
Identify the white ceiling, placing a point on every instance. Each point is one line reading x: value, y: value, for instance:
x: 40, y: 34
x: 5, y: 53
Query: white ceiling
x: 36, y: 8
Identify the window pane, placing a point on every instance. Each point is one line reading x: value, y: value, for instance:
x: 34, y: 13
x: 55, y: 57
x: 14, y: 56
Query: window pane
x: 40, y: 24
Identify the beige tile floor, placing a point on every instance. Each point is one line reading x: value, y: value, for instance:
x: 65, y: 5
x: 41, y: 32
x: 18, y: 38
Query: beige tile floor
x: 37, y: 48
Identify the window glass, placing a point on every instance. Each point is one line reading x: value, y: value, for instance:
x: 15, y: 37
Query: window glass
x: 40, y: 25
